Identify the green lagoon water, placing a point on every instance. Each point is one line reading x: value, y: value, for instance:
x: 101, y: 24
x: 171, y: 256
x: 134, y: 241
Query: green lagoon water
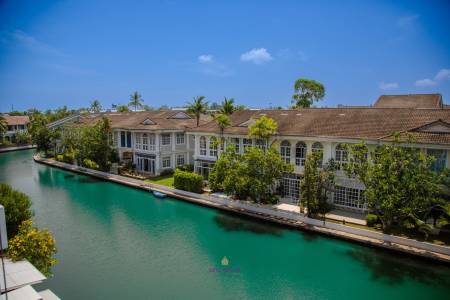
x: 116, y: 242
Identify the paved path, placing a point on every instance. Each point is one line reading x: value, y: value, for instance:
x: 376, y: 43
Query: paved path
x: 273, y: 214
x: 9, y: 149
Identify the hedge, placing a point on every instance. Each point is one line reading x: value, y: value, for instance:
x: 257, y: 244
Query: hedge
x: 371, y: 220
x: 188, y: 181
x: 90, y: 164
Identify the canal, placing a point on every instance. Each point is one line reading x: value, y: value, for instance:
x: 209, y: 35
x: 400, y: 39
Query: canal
x: 116, y: 242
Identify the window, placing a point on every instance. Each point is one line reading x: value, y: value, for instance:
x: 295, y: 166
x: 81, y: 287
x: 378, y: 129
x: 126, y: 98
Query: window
x: 317, y: 147
x: 247, y: 143
x: 341, y: 156
x: 290, y: 184
x: 137, y: 141
x: 128, y: 139
x: 300, y: 154
x: 349, y: 197
x: 165, y: 139
x: 123, y: 141
x: 116, y: 138
x: 213, y: 146
x: 145, y: 142
x: 235, y: 142
x: 440, y: 159
x: 166, y: 162
x: 261, y: 144
x: 151, y: 141
x: 180, y: 138
x: 180, y: 160
x: 202, y: 145
x: 203, y: 168
x: 285, y: 151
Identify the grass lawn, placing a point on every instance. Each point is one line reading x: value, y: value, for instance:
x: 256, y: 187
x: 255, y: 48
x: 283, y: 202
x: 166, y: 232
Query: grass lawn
x: 162, y: 180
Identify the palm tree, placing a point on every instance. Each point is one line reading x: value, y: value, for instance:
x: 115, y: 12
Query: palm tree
x: 96, y: 106
x: 197, y: 107
x: 263, y: 128
x: 227, y: 107
x: 223, y: 121
x: 136, y: 100
x: 3, y: 125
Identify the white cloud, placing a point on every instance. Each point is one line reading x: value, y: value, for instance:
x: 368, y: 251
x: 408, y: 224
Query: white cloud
x: 33, y: 43
x: 257, y: 56
x: 425, y: 82
x: 388, y: 85
x: 205, y: 58
x: 443, y: 74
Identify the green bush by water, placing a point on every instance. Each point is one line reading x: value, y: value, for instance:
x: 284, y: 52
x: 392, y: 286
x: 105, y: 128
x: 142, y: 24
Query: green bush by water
x: 188, y: 181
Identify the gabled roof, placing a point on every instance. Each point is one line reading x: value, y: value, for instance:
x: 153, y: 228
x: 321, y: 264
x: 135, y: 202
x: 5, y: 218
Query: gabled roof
x: 410, y: 101
x: 356, y: 123
x: 16, y: 120
x: 149, y: 120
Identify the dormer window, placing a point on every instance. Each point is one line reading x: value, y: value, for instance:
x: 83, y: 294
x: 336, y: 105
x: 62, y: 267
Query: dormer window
x: 148, y: 122
x: 181, y: 115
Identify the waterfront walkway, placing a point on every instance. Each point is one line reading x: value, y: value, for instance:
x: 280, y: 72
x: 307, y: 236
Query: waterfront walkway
x: 17, y: 148
x: 275, y: 214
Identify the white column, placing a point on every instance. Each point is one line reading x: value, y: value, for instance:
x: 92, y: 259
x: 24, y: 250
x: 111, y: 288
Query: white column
x: 327, y: 151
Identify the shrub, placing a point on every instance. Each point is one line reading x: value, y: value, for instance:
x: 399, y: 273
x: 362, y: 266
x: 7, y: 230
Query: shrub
x: 68, y: 157
x: 59, y: 157
x: 371, y: 220
x: 187, y: 168
x: 35, y: 245
x: 17, y: 208
x: 188, y: 181
x: 166, y: 172
x: 90, y: 164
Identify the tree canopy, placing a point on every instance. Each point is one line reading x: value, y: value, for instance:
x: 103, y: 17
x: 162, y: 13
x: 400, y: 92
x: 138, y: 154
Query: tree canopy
x: 136, y: 101
x: 197, y: 107
x: 96, y: 107
x: 398, y: 179
x: 227, y: 107
x: 307, y: 91
x: 263, y: 128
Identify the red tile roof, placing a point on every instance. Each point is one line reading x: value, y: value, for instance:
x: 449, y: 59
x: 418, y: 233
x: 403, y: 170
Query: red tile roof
x: 16, y: 120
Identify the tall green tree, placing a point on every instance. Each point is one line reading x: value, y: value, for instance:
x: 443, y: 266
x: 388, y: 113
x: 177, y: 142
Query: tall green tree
x: 136, y: 101
x: 223, y: 121
x: 252, y: 175
x: 3, y: 125
x: 96, y: 107
x: 197, y: 107
x: 307, y: 91
x: 398, y: 179
x: 263, y: 128
x: 227, y: 106
x: 316, y: 185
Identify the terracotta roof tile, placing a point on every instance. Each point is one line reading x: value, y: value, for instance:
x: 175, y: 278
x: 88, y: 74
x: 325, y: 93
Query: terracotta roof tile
x: 16, y: 120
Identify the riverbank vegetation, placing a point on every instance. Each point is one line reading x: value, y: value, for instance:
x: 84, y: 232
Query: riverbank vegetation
x: 402, y: 192
x: 25, y: 240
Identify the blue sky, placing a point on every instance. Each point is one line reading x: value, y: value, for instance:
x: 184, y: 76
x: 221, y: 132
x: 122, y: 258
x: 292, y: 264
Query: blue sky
x: 55, y: 53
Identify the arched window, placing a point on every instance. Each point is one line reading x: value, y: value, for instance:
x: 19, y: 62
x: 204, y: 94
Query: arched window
x: 285, y: 151
x: 151, y: 142
x: 213, y: 146
x: 144, y: 142
x: 202, y: 145
x: 300, y: 154
x: 341, y: 156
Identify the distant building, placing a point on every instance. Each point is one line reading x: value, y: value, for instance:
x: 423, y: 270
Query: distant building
x: 15, y: 124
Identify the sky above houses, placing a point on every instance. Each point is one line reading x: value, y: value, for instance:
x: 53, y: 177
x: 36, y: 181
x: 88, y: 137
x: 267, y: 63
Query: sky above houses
x: 55, y: 53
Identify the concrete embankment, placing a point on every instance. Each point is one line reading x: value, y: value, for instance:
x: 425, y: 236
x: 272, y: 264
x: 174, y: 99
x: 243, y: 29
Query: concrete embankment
x: 269, y: 213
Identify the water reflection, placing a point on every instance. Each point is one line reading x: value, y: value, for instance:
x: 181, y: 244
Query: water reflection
x: 231, y: 222
x: 394, y: 269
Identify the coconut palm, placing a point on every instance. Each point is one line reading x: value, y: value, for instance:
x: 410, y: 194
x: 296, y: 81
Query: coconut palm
x: 223, y: 121
x: 136, y: 100
x: 197, y: 107
x: 227, y: 107
x: 96, y: 106
x: 3, y: 125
